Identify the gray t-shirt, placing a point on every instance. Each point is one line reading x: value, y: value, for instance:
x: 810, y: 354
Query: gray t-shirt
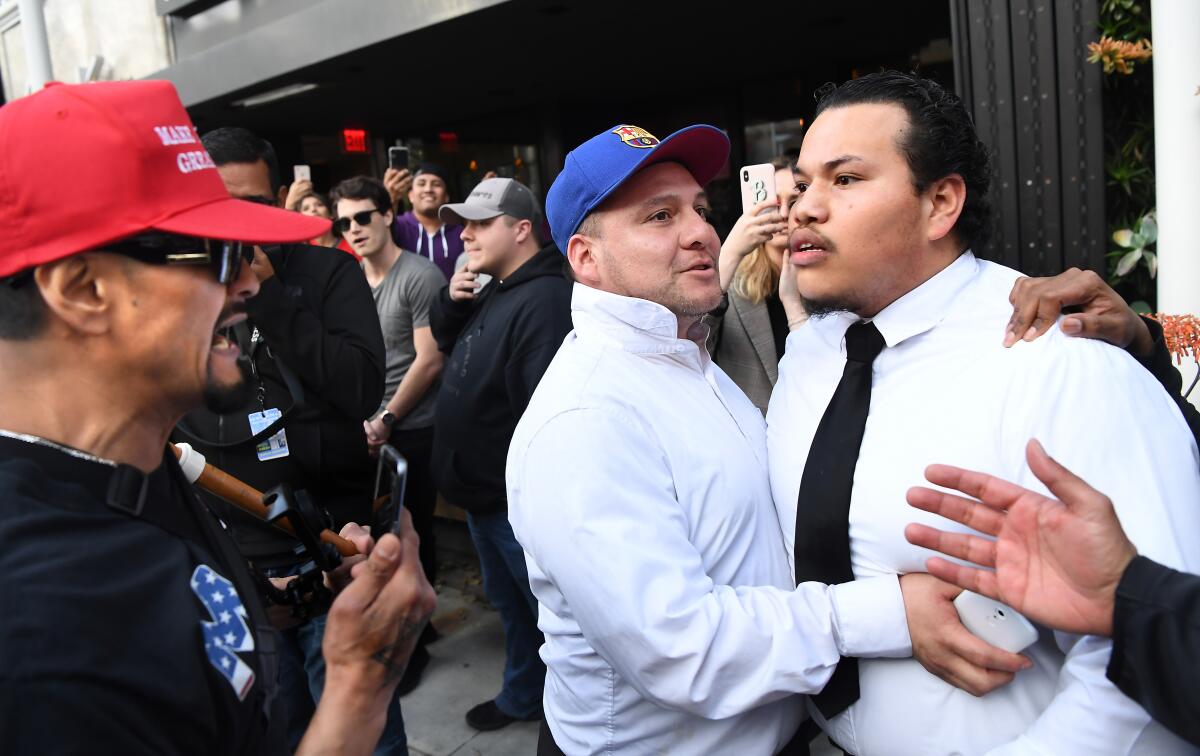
x: 403, y: 300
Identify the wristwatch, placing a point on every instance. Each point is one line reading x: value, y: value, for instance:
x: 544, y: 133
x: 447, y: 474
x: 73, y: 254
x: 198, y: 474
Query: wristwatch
x: 387, y: 418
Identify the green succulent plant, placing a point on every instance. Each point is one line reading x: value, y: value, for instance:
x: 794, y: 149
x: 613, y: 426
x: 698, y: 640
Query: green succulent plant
x: 1134, y: 245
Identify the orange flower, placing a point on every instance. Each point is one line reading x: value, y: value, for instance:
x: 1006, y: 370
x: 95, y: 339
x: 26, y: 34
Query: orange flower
x: 1119, y: 55
x: 1182, y: 334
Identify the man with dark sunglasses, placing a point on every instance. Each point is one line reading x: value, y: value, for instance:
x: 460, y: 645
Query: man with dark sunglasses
x: 314, y: 352
x: 404, y: 286
x: 131, y: 623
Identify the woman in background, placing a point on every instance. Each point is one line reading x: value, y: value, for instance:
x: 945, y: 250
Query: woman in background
x: 307, y: 201
x: 749, y: 328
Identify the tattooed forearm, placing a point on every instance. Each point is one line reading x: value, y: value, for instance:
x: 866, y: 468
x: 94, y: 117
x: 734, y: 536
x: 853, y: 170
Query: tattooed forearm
x: 393, y: 656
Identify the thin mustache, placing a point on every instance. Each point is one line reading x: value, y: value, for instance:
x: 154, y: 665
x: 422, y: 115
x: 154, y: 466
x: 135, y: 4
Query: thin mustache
x: 825, y: 243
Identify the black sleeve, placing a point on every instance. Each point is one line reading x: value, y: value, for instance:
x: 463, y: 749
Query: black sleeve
x: 447, y: 319
x: 1156, y: 640
x: 338, y: 351
x: 544, y: 322
x: 1160, y: 366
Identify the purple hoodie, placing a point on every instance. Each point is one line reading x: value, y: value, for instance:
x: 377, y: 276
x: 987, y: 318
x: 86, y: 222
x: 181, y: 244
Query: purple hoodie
x: 442, y: 247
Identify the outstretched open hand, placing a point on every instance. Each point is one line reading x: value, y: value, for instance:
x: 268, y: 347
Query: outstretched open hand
x: 1057, y: 562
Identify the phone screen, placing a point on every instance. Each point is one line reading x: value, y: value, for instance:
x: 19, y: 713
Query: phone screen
x: 391, y: 479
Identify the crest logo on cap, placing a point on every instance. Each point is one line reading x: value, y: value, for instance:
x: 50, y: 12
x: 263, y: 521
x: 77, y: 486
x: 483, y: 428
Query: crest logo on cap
x: 636, y: 137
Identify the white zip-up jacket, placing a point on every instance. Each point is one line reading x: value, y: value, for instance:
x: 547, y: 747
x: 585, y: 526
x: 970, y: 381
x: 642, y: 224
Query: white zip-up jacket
x: 637, y: 484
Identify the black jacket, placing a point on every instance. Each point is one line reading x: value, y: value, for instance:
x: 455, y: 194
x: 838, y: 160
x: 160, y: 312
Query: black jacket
x: 1160, y: 366
x: 499, y: 345
x: 105, y: 621
x: 1156, y: 639
x: 317, y: 317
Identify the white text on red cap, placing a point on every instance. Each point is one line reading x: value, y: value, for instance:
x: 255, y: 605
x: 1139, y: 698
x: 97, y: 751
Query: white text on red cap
x: 196, y: 160
x: 173, y: 135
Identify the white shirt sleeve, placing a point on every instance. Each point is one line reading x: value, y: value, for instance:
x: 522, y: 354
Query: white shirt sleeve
x: 609, y: 533
x: 1121, y: 433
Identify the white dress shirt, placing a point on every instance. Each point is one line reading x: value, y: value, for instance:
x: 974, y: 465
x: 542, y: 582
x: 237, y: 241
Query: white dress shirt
x: 637, y: 485
x: 945, y: 390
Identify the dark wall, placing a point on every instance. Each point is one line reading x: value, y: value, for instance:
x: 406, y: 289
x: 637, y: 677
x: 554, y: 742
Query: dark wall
x: 1020, y: 65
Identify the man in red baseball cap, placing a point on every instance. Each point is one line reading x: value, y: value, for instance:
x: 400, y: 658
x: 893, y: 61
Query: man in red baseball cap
x: 130, y: 620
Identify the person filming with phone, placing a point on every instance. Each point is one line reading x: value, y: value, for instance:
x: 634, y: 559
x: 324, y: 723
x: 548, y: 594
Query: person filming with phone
x: 422, y: 230
x: 749, y: 328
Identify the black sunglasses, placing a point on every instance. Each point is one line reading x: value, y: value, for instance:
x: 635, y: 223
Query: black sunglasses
x: 342, y: 225
x: 159, y: 248
x: 224, y: 257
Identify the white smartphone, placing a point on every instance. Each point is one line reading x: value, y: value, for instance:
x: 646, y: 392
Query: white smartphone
x: 998, y: 624
x: 758, y: 185
x: 301, y: 173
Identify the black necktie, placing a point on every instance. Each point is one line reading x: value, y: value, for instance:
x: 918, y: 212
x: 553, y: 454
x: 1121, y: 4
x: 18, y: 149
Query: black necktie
x: 823, y: 509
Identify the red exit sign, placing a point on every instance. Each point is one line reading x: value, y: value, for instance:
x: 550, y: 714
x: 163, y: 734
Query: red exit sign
x: 354, y: 140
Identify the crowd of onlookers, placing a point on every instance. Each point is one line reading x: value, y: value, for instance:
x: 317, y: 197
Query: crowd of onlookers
x: 683, y: 461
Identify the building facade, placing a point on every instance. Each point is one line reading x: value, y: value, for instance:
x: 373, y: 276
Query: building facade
x: 510, y: 85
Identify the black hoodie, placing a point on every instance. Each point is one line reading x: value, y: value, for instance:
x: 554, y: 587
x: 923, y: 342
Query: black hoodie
x: 499, y: 345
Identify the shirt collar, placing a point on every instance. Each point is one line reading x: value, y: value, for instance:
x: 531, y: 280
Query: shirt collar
x: 635, y: 325
x: 927, y: 305
x: 914, y: 313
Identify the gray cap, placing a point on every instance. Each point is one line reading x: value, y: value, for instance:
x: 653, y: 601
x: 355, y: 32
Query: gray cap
x: 493, y: 197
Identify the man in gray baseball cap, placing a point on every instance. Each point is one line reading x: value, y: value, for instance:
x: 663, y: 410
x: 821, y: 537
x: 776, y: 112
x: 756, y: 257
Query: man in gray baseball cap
x: 493, y: 197
x: 487, y: 381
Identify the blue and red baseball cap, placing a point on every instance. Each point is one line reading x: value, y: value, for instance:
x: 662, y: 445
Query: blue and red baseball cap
x: 596, y: 168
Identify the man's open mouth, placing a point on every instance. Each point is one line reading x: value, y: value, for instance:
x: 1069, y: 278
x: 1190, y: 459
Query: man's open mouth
x: 223, y: 340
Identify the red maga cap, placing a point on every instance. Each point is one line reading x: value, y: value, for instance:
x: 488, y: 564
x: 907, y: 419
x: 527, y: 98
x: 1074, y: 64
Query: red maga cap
x: 82, y: 165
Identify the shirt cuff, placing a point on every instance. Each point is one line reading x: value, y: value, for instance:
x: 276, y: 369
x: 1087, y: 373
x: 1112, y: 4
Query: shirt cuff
x: 869, y: 618
x: 1159, y: 356
x: 1134, y: 592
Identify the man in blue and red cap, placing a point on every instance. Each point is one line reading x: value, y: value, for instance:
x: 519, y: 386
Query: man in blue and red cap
x: 638, y: 488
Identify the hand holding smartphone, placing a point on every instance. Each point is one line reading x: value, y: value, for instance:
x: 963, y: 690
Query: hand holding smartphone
x: 758, y: 186
x: 391, y: 475
x: 398, y: 158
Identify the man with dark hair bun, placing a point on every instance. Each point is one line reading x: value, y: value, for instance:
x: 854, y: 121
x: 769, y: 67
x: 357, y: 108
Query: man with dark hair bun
x: 904, y: 363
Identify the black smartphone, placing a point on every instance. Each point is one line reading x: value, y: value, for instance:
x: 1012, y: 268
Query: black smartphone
x: 391, y: 478
x: 398, y: 158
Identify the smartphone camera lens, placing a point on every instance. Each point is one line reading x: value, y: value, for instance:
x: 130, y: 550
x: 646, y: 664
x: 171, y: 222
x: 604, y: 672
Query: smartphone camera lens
x: 745, y: 175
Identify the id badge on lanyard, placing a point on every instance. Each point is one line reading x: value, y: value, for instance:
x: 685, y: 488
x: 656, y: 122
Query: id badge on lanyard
x: 276, y: 446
